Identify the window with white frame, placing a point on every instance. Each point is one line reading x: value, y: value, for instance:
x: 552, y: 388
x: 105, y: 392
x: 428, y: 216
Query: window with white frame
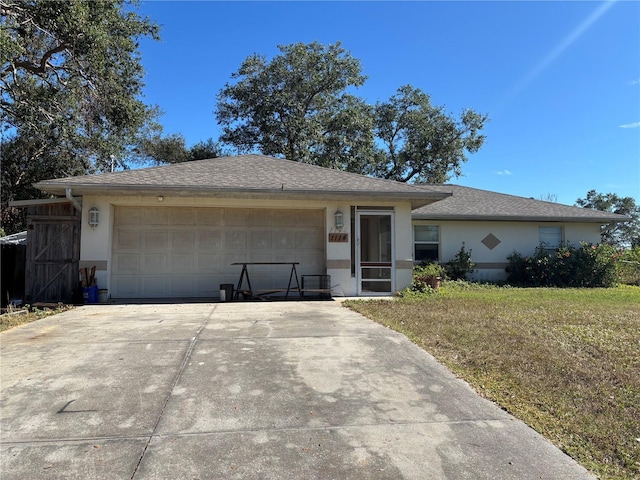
x: 551, y: 238
x: 426, y: 243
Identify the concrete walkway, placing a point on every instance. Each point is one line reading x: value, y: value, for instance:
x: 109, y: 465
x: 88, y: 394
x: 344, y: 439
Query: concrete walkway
x: 281, y: 390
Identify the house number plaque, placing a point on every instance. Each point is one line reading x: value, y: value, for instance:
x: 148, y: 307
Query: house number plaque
x: 339, y: 237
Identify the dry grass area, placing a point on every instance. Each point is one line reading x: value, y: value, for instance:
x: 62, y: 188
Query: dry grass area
x: 26, y: 315
x: 565, y: 361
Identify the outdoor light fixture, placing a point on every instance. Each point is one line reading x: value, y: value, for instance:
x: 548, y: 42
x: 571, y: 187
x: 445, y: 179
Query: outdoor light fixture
x: 94, y: 217
x: 339, y: 220
x: 160, y: 198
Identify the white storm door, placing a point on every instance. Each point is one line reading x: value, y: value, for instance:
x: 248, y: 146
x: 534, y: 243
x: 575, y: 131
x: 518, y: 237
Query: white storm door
x: 375, y: 253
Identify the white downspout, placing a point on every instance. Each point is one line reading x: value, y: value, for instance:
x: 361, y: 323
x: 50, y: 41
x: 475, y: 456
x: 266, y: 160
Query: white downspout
x: 73, y: 201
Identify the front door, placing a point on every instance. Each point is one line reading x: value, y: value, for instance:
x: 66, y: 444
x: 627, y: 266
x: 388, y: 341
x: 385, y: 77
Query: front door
x: 375, y: 262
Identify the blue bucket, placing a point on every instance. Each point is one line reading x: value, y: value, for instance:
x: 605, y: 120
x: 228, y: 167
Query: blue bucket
x: 90, y: 294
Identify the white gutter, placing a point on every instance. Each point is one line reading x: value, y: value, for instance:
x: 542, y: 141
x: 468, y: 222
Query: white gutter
x: 73, y: 201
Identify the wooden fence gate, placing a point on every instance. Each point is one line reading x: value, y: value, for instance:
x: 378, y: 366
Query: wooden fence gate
x: 53, y: 253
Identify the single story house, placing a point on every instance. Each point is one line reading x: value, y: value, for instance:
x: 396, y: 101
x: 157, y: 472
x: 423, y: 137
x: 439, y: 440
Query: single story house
x: 182, y: 230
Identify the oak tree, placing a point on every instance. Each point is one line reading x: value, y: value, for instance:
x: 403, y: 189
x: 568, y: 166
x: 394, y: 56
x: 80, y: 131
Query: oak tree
x: 621, y: 234
x: 298, y: 105
x: 421, y: 142
x: 71, y: 82
x: 284, y: 107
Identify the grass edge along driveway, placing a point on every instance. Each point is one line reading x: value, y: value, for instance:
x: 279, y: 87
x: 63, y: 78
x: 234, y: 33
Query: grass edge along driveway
x: 565, y: 361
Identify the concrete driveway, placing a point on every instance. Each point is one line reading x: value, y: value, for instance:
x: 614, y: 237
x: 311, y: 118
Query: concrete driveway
x: 282, y: 390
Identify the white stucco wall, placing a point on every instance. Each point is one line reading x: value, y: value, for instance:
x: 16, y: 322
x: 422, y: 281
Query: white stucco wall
x: 404, y: 246
x: 96, y: 243
x: 522, y: 237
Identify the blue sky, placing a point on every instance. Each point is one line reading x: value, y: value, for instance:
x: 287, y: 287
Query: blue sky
x: 560, y: 81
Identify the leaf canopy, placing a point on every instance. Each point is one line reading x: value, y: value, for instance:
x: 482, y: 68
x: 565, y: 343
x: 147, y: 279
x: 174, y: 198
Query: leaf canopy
x: 621, y: 234
x: 71, y: 82
x: 281, y: 107
x: 71, y: 74
x: 298, y: 105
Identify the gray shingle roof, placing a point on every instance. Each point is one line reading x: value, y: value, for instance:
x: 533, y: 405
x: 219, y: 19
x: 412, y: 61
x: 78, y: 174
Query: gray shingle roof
x: 246, y: 176
x: 259, y: 176
x: 467, y: 203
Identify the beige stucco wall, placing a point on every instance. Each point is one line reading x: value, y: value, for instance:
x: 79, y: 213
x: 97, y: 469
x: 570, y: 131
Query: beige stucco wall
x: 519, y: 236
x: 96, y: 243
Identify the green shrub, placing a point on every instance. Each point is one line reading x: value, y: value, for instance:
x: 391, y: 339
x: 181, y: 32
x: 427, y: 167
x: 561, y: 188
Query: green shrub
x: 585, y: 266
x: 629, y: 266
x: 424, y: 274
x: 460, y: 265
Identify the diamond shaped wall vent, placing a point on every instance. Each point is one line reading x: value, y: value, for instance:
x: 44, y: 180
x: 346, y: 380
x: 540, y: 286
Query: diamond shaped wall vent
x: 491, y: 241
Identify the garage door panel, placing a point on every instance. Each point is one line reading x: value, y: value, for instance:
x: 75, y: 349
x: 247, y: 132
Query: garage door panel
x: 187, y: 252
x: 287, y: 218
x: 209, y: 285
x: 209, y: 239
x: 182, y: 216
x: 127, y: 262
x: 154, y: 286
x: 237, y: 216
x: 154, y: 216
x: 307, y: 237
x: 208, y: 262
x: 310, y: 217
x: 128, y: 216
x: 183, y: 286
x: 184, y: 238
x: 284, y: 240
x: 235, y: 240
x: 231, y: 258
x: 127, y: 287
x: 260, y: 239
x: 209, y: 216
x: 182, y: 262
x: 154, y: 263
x: 155, y: 239
x: 127, y: 239
x: 260, y: 257
x: 311, y: 264
x: 261, y: 217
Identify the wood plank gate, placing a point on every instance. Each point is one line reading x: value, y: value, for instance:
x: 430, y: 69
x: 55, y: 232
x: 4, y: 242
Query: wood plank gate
x: 53, y: 253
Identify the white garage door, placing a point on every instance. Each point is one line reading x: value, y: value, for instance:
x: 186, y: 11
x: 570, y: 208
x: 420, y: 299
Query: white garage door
x: 165, y: 252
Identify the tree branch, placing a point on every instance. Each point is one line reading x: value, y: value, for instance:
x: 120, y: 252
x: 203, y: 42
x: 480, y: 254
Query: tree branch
x: 44, y: 61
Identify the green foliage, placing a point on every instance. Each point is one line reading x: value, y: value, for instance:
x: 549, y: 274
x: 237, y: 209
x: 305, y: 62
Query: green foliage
x: 585, y: 266
x: 621, y: 234
x: 421, y: 142
x: 206, y: 149
x: 460, y: 265
x: 304, y: 113
x: 629, y: 266
x: 425, y: 277
x: 71, y: 82
x: 172, y: 149
x: 294, y: 105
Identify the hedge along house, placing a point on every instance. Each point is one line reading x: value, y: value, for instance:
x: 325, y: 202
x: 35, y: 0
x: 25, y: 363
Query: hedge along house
x: 182, y: 230
x: 494, y: 225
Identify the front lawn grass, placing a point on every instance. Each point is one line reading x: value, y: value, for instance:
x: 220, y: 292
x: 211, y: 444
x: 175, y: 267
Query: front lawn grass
x: 565, y: 361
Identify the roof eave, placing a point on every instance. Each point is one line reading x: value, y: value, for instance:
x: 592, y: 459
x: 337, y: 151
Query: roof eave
x: 520, y: 218
x: 417, y: 200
